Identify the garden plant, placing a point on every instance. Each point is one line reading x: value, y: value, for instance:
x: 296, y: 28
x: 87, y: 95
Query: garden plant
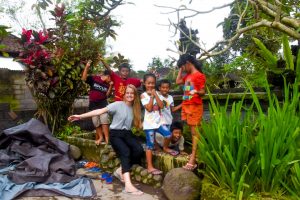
x: 54, y: 58
x: 251, y: 151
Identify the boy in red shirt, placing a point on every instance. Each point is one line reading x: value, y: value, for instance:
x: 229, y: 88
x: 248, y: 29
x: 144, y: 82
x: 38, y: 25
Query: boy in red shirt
x: 122, y: 80
x: 192, y: 106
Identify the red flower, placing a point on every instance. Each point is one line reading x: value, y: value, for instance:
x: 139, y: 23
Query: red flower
x: 27, y: 34
x: 28, y: 60
x: 42, y: 38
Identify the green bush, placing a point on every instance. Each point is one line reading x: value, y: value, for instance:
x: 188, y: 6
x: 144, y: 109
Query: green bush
x: 254, y: 152
x: 68, y: 130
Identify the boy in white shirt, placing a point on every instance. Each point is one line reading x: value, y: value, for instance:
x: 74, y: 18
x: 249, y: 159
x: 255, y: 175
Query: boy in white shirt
x: 164, y: 86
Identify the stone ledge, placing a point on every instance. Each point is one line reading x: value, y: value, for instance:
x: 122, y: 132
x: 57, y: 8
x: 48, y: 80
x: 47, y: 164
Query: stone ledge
x: 106, y: 157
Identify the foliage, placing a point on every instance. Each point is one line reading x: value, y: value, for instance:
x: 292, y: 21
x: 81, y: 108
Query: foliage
x: 138, y: 132
x: 118, y: 60
x: 158, y: 63
x: 68, y: 130
x: 284, y: 66
x: 55, y: 57
x: 3, y: 33
x: 246, y: 67
x: 244, y: 44
x: 249, y: 151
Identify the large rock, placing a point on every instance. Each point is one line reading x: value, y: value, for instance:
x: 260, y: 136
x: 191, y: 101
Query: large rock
x: 75, y: 152
x: 181, y: 184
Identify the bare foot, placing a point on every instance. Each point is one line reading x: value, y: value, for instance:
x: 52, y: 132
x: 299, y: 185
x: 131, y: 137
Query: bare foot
x: 97, y: 142
x: 132, y: 190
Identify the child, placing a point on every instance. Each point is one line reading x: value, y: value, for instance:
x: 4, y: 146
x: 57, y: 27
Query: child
x: 168, y: 102
x: 120, y: 81
x: 192, y: 106
x: 152, y: 120
x: 125, y: 114
x: 100, y: 89
x: 177, y: 140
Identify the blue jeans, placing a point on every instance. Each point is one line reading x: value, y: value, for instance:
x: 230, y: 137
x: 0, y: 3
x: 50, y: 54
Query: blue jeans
x: 150, y: 135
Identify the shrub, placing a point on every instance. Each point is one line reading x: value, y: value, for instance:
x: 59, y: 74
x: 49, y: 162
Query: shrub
x: 254, y: 151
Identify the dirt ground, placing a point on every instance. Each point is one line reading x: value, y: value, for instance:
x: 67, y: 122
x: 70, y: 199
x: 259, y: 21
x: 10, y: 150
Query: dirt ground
x: 113, y: 192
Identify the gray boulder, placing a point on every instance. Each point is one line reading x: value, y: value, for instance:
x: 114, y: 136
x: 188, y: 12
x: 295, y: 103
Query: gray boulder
x: 181, y: 184
x: 75, y: 152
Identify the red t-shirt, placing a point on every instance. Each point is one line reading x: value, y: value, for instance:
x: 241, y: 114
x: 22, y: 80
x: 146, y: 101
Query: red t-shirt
x: 194, y: 81
x: 97, y: 93
x: 120, y: 85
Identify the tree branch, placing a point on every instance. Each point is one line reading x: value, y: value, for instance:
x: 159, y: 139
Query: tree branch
x: 271, y: 10
x: 263, y: 23
x: 196, y: 12
x: 279, y: 22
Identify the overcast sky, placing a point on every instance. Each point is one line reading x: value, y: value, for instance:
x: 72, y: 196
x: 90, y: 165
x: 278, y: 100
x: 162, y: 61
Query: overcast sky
x: 142, y: 35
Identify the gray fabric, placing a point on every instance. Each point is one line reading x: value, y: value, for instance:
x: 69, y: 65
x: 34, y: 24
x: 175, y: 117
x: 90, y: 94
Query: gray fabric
x: 37, y: 155
x: 122, y: 115
x: 81, y: 187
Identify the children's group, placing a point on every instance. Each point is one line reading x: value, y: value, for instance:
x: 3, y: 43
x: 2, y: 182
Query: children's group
x: 157, y: 122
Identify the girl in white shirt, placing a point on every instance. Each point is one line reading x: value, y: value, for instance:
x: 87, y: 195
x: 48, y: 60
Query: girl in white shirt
x: 153, y: 120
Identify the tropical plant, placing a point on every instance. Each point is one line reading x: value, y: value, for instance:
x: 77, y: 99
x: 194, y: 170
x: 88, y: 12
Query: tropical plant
x: 68, y: 130
x: 282, y: 66
x: 248, y: 150
x: 55, y: 57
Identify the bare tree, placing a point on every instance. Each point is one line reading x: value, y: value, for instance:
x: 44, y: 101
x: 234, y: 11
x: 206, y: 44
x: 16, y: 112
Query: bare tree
x: 280, y: 15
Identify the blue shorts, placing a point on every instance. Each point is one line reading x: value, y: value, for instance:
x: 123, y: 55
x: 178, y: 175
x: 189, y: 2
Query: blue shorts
x: 150, y: 135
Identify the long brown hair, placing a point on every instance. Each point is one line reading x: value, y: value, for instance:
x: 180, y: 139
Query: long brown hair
x: 136, y: 107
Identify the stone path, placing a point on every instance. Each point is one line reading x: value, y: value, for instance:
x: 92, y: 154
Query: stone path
x: 111, y: 191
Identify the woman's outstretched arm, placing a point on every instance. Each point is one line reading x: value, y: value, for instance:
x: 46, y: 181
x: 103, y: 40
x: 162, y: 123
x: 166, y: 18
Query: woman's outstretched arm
x: 88, y: 114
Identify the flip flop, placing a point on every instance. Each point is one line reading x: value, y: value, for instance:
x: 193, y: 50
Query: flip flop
x: 118, y: 176
x: 104, y: 176
x: 136, y: 192
x: 155, y: 172
x: 190, y: 167
x: 109, y: 180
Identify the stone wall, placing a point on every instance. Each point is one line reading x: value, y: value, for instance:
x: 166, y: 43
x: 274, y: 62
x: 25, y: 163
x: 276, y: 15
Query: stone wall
x: 16, y: 102
x: 14, y: 90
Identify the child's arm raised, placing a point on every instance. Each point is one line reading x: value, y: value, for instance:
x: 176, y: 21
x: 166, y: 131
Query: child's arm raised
x: 104, y: 63
x: 179, y: 79
x: 88, y: 114
x: 86, y: 70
